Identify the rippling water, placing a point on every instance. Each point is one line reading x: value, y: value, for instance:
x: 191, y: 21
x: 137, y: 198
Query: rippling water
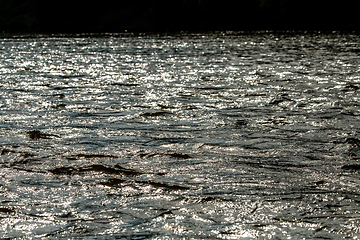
x: 187, y: 136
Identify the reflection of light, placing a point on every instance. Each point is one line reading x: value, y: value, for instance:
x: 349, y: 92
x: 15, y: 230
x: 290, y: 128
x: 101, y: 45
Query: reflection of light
x: 39, y: 225
x: 238, y: 231
x: 176, y: 228
x: 151, y: 95
x: 8, y: 223
x: 197, y: 218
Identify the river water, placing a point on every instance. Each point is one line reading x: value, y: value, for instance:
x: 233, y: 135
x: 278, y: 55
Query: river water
x: 180, y: 136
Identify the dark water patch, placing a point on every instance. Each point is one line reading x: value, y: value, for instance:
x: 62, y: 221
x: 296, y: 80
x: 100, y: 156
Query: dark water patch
x: 20, y: 90
x: 155, y: 114
x: 313, y: 157
x: 85, y: 143
x: 64, y: 88
x: 232, y: 113
x: 63, y: 76
x: 207, y: 199
x: 37, y: 135
x: 71, y: 76
x: 256, y: 94
x: 320, y: 182
x: 168, y: 212
x: 112, y: 182
x: 349, y: 113
x: 210, y: 199
x: 353, y: 167
x: 89, y: 156
x: 351, y: 87
x: 241, y: 123
x: 329, y: 115
x: 156, y: 141
x: 6, y: 151
x: 280, y: 99
x: 162, y: 106
x: 354, y: 50
x: 115, y: 169
x: 66, y: 215
x: 6, y: 210
x: 209, y: 88
x: 138, y: 236
x: 214, y: 198
x: 64, y: 170
x: 301, y: 105
x: 164, y: 185
x: 172, y: 155
x: 333, y: 206
x: 11, y: 157
x: 125, y: 84
x: 178, y: 155
x: 353, y: 141
x: 59, y: 106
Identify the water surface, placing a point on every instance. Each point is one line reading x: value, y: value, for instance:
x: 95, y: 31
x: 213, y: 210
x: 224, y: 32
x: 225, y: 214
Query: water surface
x: 184, y: 136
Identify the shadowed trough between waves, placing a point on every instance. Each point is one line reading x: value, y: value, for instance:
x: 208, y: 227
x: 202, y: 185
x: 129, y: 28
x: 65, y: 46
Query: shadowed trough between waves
x: 183, y: 136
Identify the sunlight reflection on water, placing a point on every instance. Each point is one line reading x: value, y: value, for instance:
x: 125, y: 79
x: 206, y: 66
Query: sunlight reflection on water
x: 181, y: 136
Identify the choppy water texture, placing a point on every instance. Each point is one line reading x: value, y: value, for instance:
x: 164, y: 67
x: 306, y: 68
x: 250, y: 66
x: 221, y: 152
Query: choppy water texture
x: 188, y: 136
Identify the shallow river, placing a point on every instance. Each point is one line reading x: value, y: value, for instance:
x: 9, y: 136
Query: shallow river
x: 184, y: 136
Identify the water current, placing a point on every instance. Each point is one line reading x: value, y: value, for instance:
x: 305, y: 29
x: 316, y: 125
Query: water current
x: 180, y: 136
